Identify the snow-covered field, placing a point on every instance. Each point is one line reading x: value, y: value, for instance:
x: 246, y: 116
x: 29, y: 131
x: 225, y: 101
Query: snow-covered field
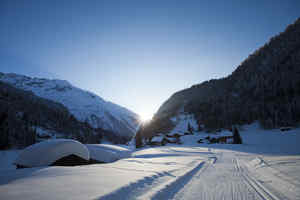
x: 266, y: 166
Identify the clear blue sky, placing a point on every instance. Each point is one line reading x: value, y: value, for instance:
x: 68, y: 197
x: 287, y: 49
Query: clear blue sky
x: 136, y: 53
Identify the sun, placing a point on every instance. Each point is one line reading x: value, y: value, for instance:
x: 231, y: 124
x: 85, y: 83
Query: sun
x: 145, y: 117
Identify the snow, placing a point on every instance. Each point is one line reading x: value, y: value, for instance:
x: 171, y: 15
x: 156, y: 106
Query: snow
x: 7, y: 158
x: 157, y: 138
x: 42, y: 132
x: 266, y: 166
x: 84, y: 105
x: 182, y: 120
x: 275, y: 169
x: 48, y: 151
x: 107, y: 153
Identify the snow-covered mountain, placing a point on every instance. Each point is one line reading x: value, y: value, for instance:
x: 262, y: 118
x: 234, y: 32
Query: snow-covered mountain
x: 84, y: 105
x: 265, y: 87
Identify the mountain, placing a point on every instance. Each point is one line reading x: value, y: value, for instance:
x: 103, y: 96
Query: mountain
x: 84, y: 105
x: 26, y: 118
x: 265, y: 88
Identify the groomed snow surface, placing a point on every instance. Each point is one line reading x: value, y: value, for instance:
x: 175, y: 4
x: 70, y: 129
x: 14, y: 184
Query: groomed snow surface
x: 266, y: 166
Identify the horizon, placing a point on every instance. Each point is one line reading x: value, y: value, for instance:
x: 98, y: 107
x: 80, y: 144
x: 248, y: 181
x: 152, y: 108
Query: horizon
x: 142, y: 52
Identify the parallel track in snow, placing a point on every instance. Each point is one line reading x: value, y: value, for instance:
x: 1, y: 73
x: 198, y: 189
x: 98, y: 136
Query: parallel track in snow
x: 222, y: 176
x: 160, y: 186
x: 171, y: 189
x: 261, y: 190
x: 226, y: 179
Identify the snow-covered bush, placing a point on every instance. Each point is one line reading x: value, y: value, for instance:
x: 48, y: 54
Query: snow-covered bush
x: 50, y: 151
x: 107, y: 153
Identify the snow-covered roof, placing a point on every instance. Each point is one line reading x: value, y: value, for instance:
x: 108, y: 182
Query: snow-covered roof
x: 47, y: 152
x: 158, y: 138
x: 107, y: 153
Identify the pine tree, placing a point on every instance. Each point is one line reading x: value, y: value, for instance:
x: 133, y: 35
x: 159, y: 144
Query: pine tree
x: 236, y: 136
x: 190, y: 128
x: 4, y: 132
x: 138, y: 140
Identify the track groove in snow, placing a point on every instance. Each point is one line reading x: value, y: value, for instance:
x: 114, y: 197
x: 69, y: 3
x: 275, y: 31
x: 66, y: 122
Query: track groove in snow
x: 133, y: 190
x: 156, y: 186
x: 265, y: 167
x: 222, y: 176
x: 171, y: 188
x: 283, y: 176
x: 262, y: 191
x: 225, y: 179
x: 273, y: 180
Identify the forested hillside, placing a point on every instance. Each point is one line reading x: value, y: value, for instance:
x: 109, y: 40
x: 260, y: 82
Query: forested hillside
x: 23, y: 115
x: 85, y: 106
x: 264, y: 87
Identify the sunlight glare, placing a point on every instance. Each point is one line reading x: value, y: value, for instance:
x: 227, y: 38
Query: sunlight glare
x: 146, y: 117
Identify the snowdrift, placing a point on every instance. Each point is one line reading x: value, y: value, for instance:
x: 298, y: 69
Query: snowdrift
x: 52, y: 152
x: 107, y: 153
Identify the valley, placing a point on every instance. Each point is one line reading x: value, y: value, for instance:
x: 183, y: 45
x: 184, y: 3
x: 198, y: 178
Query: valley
x: 251, y: 170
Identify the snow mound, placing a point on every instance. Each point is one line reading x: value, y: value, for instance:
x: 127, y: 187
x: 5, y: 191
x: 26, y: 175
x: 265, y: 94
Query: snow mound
x: 47, y: 152
x: 107, y: 153
x: 157, y: 138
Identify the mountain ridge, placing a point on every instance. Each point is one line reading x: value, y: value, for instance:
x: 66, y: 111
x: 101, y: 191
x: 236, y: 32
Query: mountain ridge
x: 26, y: 118
x: 84, y: 105
x: 265, y: 87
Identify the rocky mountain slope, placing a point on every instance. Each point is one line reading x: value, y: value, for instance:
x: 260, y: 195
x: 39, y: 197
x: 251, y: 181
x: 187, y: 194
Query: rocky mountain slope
x: 84, y: 105
x: 264, y: 87
x: 26, y: 118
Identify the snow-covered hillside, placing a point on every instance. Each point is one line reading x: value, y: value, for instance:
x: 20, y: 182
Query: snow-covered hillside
x: 84, y: 105
x: 266, y: 166
x: 182, y: 121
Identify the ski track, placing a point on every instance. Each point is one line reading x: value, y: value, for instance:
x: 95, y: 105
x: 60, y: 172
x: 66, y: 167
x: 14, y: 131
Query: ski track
x: 282, y: 174
x: 226, y: 180
x: 212, y: 174
x: 133, y: 190
x: 261, y: 190
x: 223, y: 176
x: 157, y: 186
x: 270, y: 178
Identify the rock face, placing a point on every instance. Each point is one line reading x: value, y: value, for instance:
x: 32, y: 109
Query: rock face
x: 84, y: 105
x: 264, y: 87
